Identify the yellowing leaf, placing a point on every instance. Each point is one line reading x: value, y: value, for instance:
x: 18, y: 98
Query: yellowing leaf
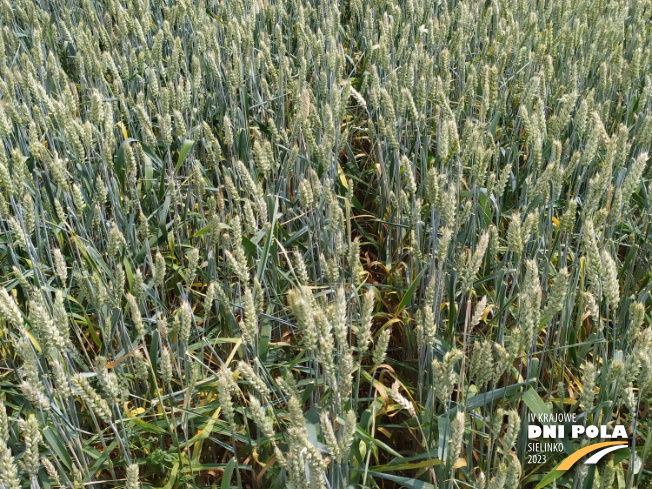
x: 486, y: 311
x: 124, y: 129
x: 342, y: 176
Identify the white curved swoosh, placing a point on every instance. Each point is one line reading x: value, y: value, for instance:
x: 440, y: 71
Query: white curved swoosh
x: 595, y: 458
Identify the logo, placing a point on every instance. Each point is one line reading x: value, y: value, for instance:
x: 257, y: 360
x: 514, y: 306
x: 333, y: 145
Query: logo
x: 554, y: 433
x: 607, y: 447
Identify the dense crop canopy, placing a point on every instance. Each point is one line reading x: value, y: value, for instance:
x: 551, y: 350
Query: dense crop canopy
x: 315, y: 244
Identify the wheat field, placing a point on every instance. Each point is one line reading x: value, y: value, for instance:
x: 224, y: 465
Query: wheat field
x: 317, y: 244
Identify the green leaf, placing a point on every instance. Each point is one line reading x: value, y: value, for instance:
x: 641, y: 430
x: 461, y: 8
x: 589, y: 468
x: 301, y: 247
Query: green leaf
x: 262, y: 263
x: 535, y: 403
x: 55, y: 443
x: 149, y: 152
x: 550, y: 476
x: 249, y: 247
x: 368, y: 439
x: 153, y: 350
x: 489, y: 397
x: 173, y: 476
x: 149, y: 173
x: 103, y: 457
x: 263, y: 342
x: 410, y: 292
x: 404, y: 481
x: 187, y: 146
x: 148, y: 427
x: 202, y: 231
x: 228, y: 473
